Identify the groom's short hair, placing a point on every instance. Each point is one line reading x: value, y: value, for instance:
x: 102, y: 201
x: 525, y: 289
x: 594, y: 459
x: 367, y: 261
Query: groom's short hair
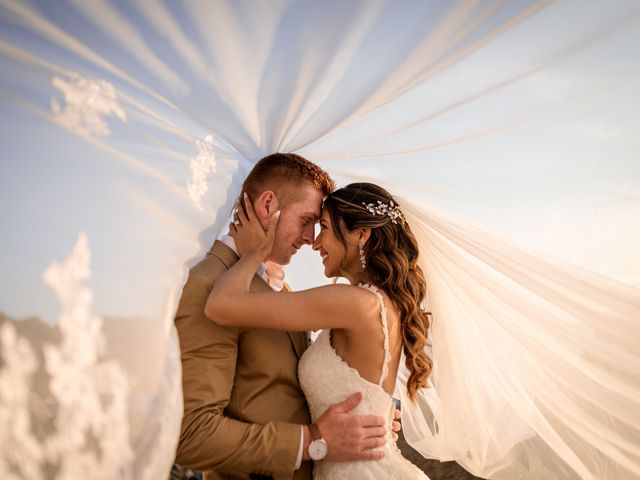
x: 284, y: 173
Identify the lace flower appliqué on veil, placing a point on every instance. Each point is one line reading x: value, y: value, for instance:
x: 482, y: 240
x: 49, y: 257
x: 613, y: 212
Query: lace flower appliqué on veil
x: 89, y: 431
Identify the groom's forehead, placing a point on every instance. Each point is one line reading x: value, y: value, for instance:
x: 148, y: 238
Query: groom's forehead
x: 306, y: 210
x: 308, y: 204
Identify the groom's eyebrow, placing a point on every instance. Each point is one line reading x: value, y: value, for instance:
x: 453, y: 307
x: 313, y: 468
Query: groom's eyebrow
x: 309, y: 218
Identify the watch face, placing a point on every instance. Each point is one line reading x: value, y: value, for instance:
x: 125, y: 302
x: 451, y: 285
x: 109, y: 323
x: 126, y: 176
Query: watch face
x: 318, y: 449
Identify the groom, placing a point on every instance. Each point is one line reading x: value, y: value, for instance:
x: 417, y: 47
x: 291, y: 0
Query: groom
x: 244, y: 413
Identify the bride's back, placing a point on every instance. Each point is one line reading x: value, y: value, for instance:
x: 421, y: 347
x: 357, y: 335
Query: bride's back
x: 363, y: 347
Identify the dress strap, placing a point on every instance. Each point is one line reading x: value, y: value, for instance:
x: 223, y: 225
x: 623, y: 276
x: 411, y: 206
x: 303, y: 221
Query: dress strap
x: 385, y: 331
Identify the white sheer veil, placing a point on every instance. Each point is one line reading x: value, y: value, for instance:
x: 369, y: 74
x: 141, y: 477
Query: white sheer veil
x: 534, y: 361
x: 127, y: 128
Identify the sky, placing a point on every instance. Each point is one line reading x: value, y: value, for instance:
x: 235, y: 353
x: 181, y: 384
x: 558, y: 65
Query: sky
x: 136, y: 123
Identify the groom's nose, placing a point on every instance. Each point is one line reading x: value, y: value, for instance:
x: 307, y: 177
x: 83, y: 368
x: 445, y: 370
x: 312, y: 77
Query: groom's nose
x: 316, y: 241
x: 308, y: 234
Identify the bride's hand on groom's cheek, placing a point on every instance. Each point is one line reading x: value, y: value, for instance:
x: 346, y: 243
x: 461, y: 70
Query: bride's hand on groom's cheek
x: 249, y: 235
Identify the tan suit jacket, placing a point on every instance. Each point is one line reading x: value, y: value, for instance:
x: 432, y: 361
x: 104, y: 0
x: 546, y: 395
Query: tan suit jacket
x: 242, y: 400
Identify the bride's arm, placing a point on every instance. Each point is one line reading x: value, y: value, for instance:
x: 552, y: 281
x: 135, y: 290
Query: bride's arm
x: 332, y: 306
x: 230, y: 302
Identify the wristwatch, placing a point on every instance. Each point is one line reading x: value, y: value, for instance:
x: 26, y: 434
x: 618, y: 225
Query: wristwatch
x: 318, y: 447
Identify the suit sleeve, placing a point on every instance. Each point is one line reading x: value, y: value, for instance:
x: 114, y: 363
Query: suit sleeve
x: 208, y: 439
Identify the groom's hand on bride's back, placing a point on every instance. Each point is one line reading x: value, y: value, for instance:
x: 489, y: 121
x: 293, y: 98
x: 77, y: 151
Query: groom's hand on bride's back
x: 352, y: 437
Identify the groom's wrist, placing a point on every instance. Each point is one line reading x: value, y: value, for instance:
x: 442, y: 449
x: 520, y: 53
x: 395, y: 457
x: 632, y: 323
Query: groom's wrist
x: 318, y: 448
x: 314, y: 445
x: 306, y: 441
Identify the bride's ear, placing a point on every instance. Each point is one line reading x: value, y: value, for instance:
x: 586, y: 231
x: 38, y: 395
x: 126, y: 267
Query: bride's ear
x: 363, y: 235
x: 357, y: 236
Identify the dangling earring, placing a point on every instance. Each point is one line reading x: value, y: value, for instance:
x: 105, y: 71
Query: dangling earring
x: 363, y: 260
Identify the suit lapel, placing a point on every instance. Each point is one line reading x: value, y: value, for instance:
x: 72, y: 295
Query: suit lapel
x: 299, y: 340
x: 224, y: 253
x: 229, y: 258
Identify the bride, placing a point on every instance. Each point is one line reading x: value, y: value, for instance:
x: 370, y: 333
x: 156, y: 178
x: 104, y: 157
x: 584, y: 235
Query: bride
x: 367, y: 325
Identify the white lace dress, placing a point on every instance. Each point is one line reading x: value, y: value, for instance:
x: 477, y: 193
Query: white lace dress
x: 327, y: 379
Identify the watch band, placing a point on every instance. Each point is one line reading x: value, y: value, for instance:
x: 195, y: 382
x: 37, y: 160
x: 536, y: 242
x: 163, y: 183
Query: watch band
x: 315, y: 431
x: 318, y: 447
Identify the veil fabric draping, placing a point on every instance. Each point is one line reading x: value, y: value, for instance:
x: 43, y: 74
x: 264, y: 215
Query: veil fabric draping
x: 534, y: 361
x: 128, y: 127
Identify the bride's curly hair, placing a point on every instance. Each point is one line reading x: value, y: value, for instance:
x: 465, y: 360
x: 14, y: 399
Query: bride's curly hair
x: 391, y: 264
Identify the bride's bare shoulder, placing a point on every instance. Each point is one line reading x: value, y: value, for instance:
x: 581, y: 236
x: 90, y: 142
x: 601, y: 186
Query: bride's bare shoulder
x: 343, y: 289
x: 351, y: 298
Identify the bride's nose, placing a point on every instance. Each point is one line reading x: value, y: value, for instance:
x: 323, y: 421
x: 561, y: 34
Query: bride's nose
x: 316, y: 240
x: 316, y: 243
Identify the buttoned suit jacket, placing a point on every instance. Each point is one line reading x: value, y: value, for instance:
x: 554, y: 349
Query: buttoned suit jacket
x: 243, y: 405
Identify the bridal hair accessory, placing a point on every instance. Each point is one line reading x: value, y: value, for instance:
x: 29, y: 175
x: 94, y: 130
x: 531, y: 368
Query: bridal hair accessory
x: 363, y: 260
x: 392, y: 210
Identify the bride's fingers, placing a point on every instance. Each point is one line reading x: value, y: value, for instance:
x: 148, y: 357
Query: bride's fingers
x: 248, y: 208
x: 233, y: 230
x: 396, y: 426
x: 271, y: 231
x: 241, y: 212
x: 275, y: 206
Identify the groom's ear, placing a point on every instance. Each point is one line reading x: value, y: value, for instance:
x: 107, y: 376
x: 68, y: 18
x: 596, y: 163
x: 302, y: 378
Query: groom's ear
x: 265, y: 205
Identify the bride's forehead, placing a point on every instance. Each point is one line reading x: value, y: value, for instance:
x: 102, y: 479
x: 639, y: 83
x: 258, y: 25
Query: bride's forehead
x: 325, y: 215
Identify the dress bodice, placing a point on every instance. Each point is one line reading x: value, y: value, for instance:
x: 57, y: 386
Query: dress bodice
x: 327, y: 379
